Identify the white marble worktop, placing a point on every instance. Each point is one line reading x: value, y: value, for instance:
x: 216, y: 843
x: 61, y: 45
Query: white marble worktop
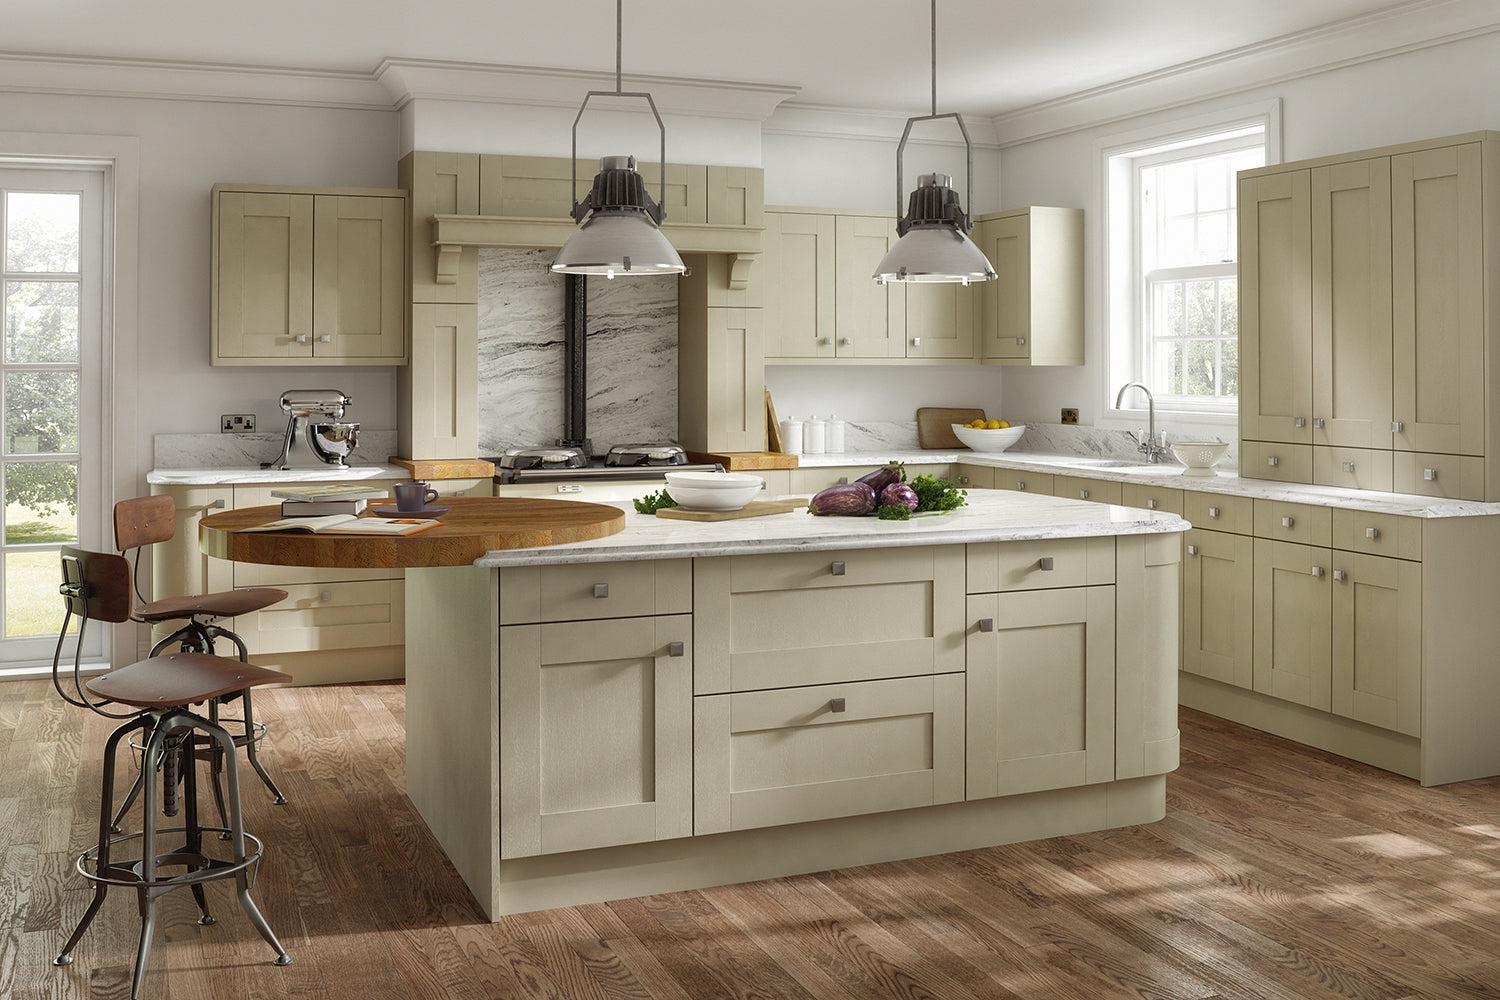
x: 1170, y: 476
x: 229, y: 476
x: 989, y: 516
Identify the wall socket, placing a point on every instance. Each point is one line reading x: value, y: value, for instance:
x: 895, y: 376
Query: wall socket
x: 1069, y: 415
x: 237, y: 423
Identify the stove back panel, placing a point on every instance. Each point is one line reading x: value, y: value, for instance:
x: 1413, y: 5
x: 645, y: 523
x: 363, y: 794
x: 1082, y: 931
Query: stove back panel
x: 632, y: 355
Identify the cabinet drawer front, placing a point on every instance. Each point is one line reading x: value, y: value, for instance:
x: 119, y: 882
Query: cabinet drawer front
x: 1219, y: 512
x: 259, y: 575
x: 1352, y: 468
x: 780, y: 620
x: 1453, y: 477
x: 1026, y: 482
x: 1285, y: 463
x: 595, y: 590
x: 327, y: 616
x: 793, y: 756
x: 1151, y: 498
x: 1095, y: 490
x: 1040, y: 564
x: 1294, y: 522
x: 977, y: 477
x: 1377, y: 534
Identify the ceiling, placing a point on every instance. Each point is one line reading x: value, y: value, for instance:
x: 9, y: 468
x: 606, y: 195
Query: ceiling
x: 994, y: 56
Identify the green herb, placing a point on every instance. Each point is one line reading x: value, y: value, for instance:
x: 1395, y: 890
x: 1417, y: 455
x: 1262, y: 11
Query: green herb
x: 894, y: 512
x: 653, y: 502
x: 936, y: 494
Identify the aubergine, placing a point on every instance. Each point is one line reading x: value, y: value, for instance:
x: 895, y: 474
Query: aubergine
x: 848, y: 499
x: 899, y: 495
x: 883, y: 477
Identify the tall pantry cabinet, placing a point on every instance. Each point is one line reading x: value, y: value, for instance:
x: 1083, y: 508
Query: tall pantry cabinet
x: 1366, y: 347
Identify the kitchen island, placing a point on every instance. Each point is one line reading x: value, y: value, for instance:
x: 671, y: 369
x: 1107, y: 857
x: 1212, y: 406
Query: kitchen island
x: 686, y: 704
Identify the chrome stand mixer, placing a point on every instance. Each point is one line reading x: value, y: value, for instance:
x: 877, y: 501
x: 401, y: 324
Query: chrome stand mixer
x: 315, y: 435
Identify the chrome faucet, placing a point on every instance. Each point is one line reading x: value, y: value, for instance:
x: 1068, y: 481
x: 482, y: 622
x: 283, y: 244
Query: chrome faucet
x: 1154, y: 448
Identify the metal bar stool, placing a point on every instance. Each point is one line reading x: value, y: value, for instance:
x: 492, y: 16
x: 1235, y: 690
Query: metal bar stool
x: 143, y: 521
x: 96, y: 586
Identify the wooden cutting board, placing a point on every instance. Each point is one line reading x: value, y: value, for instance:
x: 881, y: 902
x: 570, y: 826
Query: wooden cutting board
x: 754, y: 508
x: 932, y: 425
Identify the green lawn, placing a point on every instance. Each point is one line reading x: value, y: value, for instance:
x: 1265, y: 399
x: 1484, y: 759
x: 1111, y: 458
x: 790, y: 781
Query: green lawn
x: 32, y: 605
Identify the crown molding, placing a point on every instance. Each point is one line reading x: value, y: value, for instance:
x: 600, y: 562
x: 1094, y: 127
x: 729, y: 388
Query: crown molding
x: 1365, y: 38
x: 407, y: 80
x: 87, y: 76
x: 824, y: 121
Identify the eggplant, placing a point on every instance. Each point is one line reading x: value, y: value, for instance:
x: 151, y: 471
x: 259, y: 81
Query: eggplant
x: 883, y: 477
x: 899, y: 495
x: 849, y: 499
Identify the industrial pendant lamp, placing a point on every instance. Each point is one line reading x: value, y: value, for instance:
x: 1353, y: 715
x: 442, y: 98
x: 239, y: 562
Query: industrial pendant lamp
x: 621, y: 234
x: 934, y: 242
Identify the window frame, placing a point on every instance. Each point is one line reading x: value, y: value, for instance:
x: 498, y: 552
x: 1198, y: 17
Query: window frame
x: 1121, y: 310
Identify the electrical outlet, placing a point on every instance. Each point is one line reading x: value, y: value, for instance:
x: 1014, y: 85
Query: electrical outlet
x: 237, y: 423
x: 1069, y: 415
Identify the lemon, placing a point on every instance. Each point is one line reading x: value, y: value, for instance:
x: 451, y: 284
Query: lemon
x: 992, y: 425
x: 1004, y: 424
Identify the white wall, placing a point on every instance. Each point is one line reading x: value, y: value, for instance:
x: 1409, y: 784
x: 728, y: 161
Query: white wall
x: 185, y: 147
x: 1416, y: 95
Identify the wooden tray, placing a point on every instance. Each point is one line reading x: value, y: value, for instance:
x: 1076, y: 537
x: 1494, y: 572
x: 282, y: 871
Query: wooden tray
x: 933, y: 430
x: 755, y: 508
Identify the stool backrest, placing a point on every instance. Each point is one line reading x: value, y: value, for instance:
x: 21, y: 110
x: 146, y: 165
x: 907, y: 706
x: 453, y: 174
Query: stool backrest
x: 144, y: 521
x: 96, y: 585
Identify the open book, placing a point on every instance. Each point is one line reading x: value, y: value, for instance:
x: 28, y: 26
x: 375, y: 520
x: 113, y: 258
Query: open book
x: 348, y: 524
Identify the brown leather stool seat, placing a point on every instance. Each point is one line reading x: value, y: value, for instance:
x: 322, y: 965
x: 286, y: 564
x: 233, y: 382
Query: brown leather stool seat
x: 159, y: 692
x: 225, y: 604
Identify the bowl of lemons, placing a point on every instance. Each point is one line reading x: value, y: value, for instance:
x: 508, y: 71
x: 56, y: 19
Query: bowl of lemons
x: 989, y: 435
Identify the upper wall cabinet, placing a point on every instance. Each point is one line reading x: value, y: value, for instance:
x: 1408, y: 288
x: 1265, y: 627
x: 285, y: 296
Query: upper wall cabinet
x: 1032, y: 314
x: 308, y: 276
x: 1363, y: 329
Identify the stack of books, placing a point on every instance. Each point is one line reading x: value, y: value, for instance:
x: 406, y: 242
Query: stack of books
x: 329, y: 498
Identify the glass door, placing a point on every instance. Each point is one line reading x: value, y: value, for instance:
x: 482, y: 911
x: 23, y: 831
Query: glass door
x: 50, y: 397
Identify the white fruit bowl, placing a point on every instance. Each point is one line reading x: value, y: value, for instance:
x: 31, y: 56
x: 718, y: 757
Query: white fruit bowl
x: 713, y: 490
x: 986, y: 440
x: 1199, y: 456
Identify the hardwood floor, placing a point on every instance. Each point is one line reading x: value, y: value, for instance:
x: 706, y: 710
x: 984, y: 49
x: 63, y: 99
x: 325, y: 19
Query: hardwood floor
x: 1279, y: 872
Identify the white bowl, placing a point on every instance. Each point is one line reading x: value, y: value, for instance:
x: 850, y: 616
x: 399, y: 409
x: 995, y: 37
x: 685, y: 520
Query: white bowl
x: 996, y: 440
x: 714, y: 480
x: 712, y: 498
x: 1199, y: 456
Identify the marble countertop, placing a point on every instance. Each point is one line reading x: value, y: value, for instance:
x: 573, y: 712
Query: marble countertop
x: 228, y: 476
x: 1170, y: 476
x: 990, y: 516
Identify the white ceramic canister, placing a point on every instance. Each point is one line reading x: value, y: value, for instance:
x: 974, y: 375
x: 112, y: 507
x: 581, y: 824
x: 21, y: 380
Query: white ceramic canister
x: 814, y: 436
x: 834, y: 445
x: 791, y: 436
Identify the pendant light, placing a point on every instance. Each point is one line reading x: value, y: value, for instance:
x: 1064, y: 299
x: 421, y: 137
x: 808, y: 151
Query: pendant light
x: 934, y: 242
x: 620, y: 237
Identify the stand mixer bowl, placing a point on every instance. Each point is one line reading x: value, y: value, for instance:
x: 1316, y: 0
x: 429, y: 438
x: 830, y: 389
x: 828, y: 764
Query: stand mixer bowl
x: 333, y: 441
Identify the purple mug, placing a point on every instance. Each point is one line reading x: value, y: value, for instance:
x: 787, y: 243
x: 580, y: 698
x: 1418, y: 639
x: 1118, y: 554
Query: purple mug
x: 412, y: 498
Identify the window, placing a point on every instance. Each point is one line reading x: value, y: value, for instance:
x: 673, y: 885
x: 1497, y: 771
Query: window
x: 1173, y: 309
x: 50, y: 390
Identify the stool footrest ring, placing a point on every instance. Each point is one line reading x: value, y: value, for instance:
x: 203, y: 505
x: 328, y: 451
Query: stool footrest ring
x: 128, y: 873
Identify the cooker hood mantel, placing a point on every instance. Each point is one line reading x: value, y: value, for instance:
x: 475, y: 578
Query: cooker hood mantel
x: 452, y: 234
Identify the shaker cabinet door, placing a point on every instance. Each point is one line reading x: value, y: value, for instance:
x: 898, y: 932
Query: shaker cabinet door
x: 263, y: 287
x: 1276, y: 308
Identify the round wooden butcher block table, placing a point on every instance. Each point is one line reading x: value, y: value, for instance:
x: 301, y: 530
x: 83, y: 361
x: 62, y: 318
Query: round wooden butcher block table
x: 474, y: 526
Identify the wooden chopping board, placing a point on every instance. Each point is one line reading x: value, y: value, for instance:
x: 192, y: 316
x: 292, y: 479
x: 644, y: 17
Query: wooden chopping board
x: 755, y: 508
x: 933, y: 430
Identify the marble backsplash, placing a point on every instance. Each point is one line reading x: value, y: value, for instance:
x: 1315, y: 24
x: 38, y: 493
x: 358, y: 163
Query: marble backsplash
x: 248, y: 451
x: 631, y: 364
x: 1044, y: 439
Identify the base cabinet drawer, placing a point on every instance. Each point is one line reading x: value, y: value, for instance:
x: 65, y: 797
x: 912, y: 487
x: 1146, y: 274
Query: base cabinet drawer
x: 1041, y: 690
x: 584, y: 591
x: 1097, y: 490
x: 328, y: 616
x: 796, y: 755
x: 596, y: 749
x: 1025, y: 482
x: 1040, y: 564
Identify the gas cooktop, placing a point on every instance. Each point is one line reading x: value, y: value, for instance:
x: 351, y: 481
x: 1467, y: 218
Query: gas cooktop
x: 623, y: 461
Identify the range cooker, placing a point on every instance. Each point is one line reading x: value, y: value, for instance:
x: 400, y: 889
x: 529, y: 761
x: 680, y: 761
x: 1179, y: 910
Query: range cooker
x: 622, y: 463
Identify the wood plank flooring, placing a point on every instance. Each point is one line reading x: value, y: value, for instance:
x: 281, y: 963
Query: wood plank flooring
x: 1279, y: 872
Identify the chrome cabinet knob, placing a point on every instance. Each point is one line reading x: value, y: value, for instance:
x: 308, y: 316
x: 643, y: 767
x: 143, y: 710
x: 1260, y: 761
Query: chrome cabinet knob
x: 1397, y: 427
x: 325, y: 338
x: 1299, y: 421
x: 836, y: 705
x: 1020, y: 341
x: 1348, y: 466
x: 963, y: 480
x: 1288, y: 522
x: 843, y: 480
x: 1372, y: 533
x: 1083, y: 494
x: 300, y: 338
x: 326, y: 595
x: 674, y: 649
x: 1429, y: 474
x: 1044, y: 563
x: 1340, y: 575
x: 837, y: 569
x: 916, y: 341
x: 1021, y: 485
x: 825, y: 341
x: 1152, y: 504
x: 845, y: 341
x: 1272, y: 460
x: 986, y: 624
x: 1318, y: 423
x: 1317, y: 572
x: 1192, y: 550
x: 1213, y: 512
x: 601, y: 590
x: 218, y: 504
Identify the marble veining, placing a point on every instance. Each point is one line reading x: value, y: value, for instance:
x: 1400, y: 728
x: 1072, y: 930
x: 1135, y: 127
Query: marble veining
x: 1095, y: 442
x: 991, y: 516
x: 632, y: 355
x: 234, y: 451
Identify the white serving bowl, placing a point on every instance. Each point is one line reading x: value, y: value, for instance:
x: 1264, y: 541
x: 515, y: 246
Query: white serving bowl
x: 1199, y: 456
x: 984, y: 440
x: 713, y: 490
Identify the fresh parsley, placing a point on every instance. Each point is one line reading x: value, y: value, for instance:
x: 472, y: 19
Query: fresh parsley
x: 894, y: 512
x: 653, y: 502
x: 936, y: 494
